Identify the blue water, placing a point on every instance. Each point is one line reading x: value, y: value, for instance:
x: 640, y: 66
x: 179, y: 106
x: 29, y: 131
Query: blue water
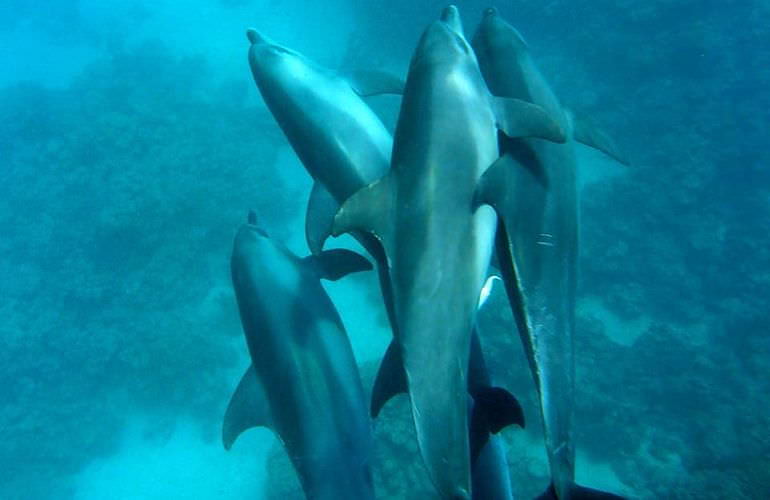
x: 133, y: 140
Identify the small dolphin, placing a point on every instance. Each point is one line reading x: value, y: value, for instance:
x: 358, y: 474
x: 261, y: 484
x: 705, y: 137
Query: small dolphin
x: 304, y: 382
x: 437, y: 245
x: 534, y: 191
x: 341, y: 142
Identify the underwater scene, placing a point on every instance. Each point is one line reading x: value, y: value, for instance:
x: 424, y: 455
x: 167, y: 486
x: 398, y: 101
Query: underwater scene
x: 283, y: 249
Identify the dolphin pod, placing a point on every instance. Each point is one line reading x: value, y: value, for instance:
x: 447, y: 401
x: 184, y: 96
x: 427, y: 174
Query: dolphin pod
x: 481, y: 162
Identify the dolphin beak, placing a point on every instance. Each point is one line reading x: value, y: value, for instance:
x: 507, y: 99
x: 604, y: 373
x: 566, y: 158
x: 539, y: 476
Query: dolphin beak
x: 451, y: 16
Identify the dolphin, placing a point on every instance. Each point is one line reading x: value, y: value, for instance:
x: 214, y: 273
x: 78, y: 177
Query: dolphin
x: 438, y: 248
x: 304, y: 382
x: 533, y: 189
x: 338, y: 138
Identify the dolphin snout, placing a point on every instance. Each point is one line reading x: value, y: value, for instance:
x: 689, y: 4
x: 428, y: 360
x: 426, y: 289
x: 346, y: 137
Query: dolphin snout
x: 449, y: 13
x: 451, y: 16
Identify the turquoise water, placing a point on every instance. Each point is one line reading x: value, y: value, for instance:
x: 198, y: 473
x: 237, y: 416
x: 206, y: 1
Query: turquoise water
x: 133, y: 141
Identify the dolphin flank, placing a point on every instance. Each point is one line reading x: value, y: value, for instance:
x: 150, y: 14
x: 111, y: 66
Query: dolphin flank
x: 438, y: 246
x: 304, y: 382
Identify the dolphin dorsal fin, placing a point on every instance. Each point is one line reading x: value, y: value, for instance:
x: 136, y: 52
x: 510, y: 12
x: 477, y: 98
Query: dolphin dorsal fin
x: 492, y: 188
x: 338, y: 263
x: 248, y: 408
x: 319, y: 217
x: 586, y: 132
x: 367, y: 83
x: 370, y: 209
x: 517, y: 118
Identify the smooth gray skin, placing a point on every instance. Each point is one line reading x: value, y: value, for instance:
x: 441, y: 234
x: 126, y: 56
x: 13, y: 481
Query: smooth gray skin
x: 341, y: 142
x: 438, y: 246
x: 444, y: 140
x: 339, y: 139
x: 305, y: 368
x: 536, y: 198
x: 491, y: 480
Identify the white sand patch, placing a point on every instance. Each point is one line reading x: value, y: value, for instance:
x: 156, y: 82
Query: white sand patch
x: 618, y: 329
x: 181, y: 465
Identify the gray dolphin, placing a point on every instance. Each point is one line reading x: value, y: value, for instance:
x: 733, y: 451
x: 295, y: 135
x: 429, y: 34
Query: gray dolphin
x: 491, y: 409
x: 341, y: 142
x: 439, y: 247
x: 534, y: 191
x: 304, y: 383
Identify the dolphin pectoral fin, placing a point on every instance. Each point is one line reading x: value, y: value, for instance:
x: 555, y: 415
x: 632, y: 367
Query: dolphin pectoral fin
x: 319, y: 218
x: 369, y: 210
x: 374, y: 82
x: 586, y: 132
x: 338, y: 263
x: 517, y: 118
x: 391, y: 379
x: 248, y: 408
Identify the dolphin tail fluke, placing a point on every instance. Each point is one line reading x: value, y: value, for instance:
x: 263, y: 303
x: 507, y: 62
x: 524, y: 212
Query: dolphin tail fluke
x: 586, y: 132
x: 391, y: 379
x: 369, y: 210
x: 248, y: 408
x: 338, y: 263
x: 577, y: 492
x: 319, y: 218
x: 517, y: 118
x: 374, y: 82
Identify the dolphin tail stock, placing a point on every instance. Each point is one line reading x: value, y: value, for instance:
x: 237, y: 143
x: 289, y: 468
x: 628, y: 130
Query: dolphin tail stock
x: 368, y: 83
x: 337, y: 263
x: 577, y: 492
x: 248, y: 408
x: 586, y: 132
x: 319, y: 217
x: 517, y: 118
x: 494, y: 408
